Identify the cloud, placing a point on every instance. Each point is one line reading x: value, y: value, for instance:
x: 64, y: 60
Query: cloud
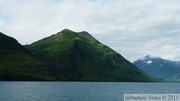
x: 133, y: 28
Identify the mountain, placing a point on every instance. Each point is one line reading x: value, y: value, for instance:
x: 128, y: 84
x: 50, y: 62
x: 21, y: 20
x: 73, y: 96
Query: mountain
x: 159, y: 68
x: 17, y: 63
x: 78, y: 56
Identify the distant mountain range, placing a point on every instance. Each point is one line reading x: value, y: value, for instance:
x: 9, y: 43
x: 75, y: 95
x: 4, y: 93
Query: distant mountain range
x: 65, y: 56
x: 159, y: 68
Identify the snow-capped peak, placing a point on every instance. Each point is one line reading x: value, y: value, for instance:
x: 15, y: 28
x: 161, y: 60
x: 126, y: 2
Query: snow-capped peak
x: 147, y: 57
x: 149, y: 62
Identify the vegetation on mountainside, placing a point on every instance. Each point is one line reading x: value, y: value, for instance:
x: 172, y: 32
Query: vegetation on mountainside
x: 17, y: 63
x: 65, y: 56
x: 85, y: 57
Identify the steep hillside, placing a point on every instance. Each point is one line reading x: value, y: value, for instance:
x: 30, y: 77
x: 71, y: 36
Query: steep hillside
x: 81, y: 57
x: 17, y: 63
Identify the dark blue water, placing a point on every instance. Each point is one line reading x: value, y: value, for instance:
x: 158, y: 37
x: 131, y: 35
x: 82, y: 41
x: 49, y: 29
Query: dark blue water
x: 80, y: 91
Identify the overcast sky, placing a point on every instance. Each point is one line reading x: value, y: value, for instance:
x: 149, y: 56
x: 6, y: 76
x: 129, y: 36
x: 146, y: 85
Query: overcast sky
x: 133, y: 28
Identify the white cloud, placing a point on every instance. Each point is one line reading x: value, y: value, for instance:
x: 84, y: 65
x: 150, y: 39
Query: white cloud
x: 133, y: 28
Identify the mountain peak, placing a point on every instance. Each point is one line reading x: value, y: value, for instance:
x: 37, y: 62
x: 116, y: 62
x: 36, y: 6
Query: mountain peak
x: 148, y: 57
x: 69, y: 33
x: 66, y: 30
x: 58, y: 35
x: 86, y: 35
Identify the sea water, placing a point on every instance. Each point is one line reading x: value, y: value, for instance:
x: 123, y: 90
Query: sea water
x: 80, y: 91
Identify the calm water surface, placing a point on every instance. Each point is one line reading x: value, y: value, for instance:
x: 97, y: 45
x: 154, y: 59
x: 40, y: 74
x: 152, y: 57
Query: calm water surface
x: 80, y: 91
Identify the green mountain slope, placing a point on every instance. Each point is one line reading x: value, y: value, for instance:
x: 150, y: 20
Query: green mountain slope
x: 79, y: 56
x: 17, y: 63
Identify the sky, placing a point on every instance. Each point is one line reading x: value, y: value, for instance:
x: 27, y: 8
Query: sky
x: 133, y: 28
